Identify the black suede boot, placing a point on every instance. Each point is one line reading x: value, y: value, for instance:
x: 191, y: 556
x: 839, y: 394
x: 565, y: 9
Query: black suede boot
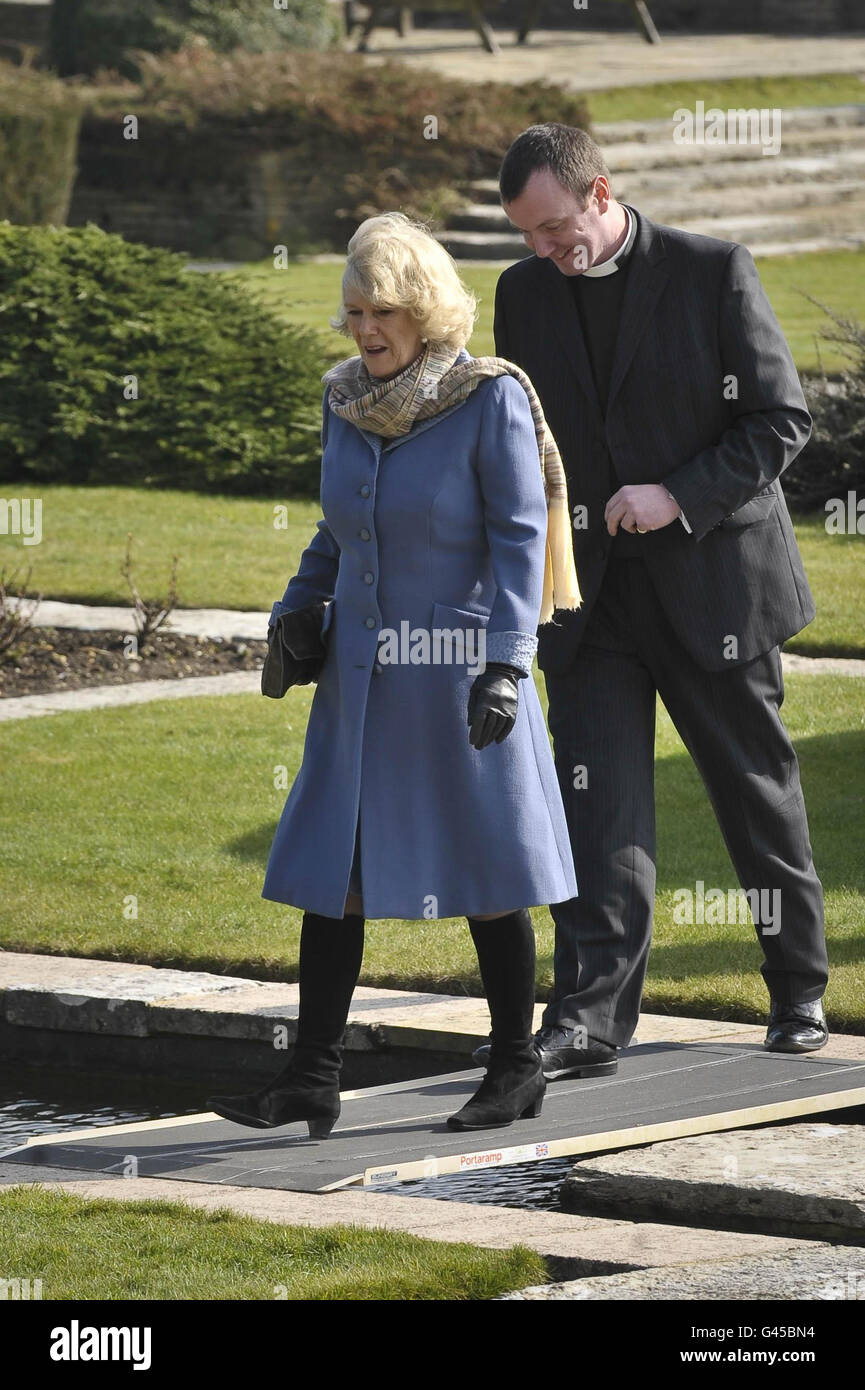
x: 331, y: 952
x: 514, y: 1084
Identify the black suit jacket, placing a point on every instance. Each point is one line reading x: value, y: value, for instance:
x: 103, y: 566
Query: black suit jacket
x: 704, y: 398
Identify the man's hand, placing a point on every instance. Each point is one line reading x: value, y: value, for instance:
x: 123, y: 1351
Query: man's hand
x: 640, y: 507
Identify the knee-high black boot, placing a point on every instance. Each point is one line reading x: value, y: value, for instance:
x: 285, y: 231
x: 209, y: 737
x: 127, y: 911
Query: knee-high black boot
x: 514, y: 1084
x: 331, y: 952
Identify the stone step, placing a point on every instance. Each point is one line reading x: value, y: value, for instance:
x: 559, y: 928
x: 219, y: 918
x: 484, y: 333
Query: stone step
x: 799, y: 124
x: 81, y: 994
x: 820, y: 1271
x: 632, y: 156
x: 833, y: 148
x: 804, y: 1179
x: 675, y: 206
x: 765, y: 230
x: 785, y: 172
x: 764, y: 237
x: 798, y: 119
x: 699, y: 168
x: 757, y: 230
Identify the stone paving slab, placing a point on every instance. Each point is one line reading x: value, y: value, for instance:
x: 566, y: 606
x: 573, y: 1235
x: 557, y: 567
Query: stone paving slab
x: 80, y: 994
x: 592, y: 1243
x: 133, y: 693
x: 228, y: 623
x: 820, y: 1272
x: 802, y: 1178
x: 584, y: 59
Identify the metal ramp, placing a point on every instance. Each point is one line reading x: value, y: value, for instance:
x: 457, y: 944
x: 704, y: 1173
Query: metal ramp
x: 396, y: 1133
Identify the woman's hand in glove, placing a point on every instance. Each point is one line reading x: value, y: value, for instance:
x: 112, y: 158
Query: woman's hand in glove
x: 493, y: 702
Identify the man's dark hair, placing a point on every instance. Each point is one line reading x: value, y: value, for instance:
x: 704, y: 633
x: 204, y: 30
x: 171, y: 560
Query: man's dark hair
x: 570, y: 154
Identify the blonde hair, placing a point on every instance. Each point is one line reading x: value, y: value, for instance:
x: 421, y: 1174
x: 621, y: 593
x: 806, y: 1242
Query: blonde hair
x: 396, y: 263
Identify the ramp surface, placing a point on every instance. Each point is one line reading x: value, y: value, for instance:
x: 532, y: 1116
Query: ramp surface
x: 398, y: 1132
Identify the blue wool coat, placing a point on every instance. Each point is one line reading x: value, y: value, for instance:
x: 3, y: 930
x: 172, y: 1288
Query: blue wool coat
x: 442, y: 528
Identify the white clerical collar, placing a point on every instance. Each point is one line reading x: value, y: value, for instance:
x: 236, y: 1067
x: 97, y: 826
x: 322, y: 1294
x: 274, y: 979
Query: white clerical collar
x: 610, y: 267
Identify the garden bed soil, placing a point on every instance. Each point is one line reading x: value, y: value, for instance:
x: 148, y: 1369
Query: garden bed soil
x: 46, y: 659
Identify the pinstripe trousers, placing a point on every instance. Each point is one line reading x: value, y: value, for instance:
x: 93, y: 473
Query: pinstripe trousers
x: 602, y: 720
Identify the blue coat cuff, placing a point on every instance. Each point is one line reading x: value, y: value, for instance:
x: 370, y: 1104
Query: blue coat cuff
x: 515, y: 648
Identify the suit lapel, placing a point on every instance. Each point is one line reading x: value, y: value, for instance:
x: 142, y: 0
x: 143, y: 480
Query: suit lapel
x: 647, y: 277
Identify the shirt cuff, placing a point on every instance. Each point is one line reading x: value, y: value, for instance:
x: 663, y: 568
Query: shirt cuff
x: 512, y: 648
x: 682, y: 517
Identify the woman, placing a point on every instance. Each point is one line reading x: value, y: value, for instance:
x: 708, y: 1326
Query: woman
x: 427, y: 787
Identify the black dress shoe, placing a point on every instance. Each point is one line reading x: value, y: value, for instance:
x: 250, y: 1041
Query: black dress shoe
x: 796, y: 1027
x: 563, y: 1053
x: 568, y: 1052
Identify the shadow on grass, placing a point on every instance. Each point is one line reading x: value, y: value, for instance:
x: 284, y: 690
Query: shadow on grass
x: 254, y: 846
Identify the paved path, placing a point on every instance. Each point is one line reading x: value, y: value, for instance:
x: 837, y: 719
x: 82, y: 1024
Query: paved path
x: 584, y: 58
x: 227, y: 623
x: 132, y: 693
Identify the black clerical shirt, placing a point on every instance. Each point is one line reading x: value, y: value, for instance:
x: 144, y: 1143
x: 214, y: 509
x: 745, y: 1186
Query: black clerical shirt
x: 598, y: 301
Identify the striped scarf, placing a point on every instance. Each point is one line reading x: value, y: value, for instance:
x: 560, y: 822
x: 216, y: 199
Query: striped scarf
x: 433, y: 383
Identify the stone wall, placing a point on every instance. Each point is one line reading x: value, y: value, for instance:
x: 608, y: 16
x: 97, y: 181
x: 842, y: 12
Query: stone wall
x: 206, y: 191
x: 228, y: 190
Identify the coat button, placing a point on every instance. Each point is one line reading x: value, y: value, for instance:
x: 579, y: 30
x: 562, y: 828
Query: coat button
x: 369, y: 578
x: 370, y: 622
x: 365, y: 490
x: 364, y: 534
x: 378, y: 668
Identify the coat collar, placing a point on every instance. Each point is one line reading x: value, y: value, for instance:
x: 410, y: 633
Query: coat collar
x: 648, y: 274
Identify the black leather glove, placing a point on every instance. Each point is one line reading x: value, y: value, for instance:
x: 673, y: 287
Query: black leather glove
x: 295, y: 650
x: 493, y: 702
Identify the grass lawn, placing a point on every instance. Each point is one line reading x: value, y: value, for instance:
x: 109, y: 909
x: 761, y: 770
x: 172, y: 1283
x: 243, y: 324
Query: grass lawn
x: 93, y: 1248
x: 173, y: 804
x: 658, y: 100
x: 307, y: 293
x: 232, y: 556
x: 836, y: 573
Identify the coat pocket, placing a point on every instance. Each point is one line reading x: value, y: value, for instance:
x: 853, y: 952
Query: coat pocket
x: 758, y: 509
x: 459, y: 635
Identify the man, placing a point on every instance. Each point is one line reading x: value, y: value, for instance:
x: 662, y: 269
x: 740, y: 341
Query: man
x: 669, y: 388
